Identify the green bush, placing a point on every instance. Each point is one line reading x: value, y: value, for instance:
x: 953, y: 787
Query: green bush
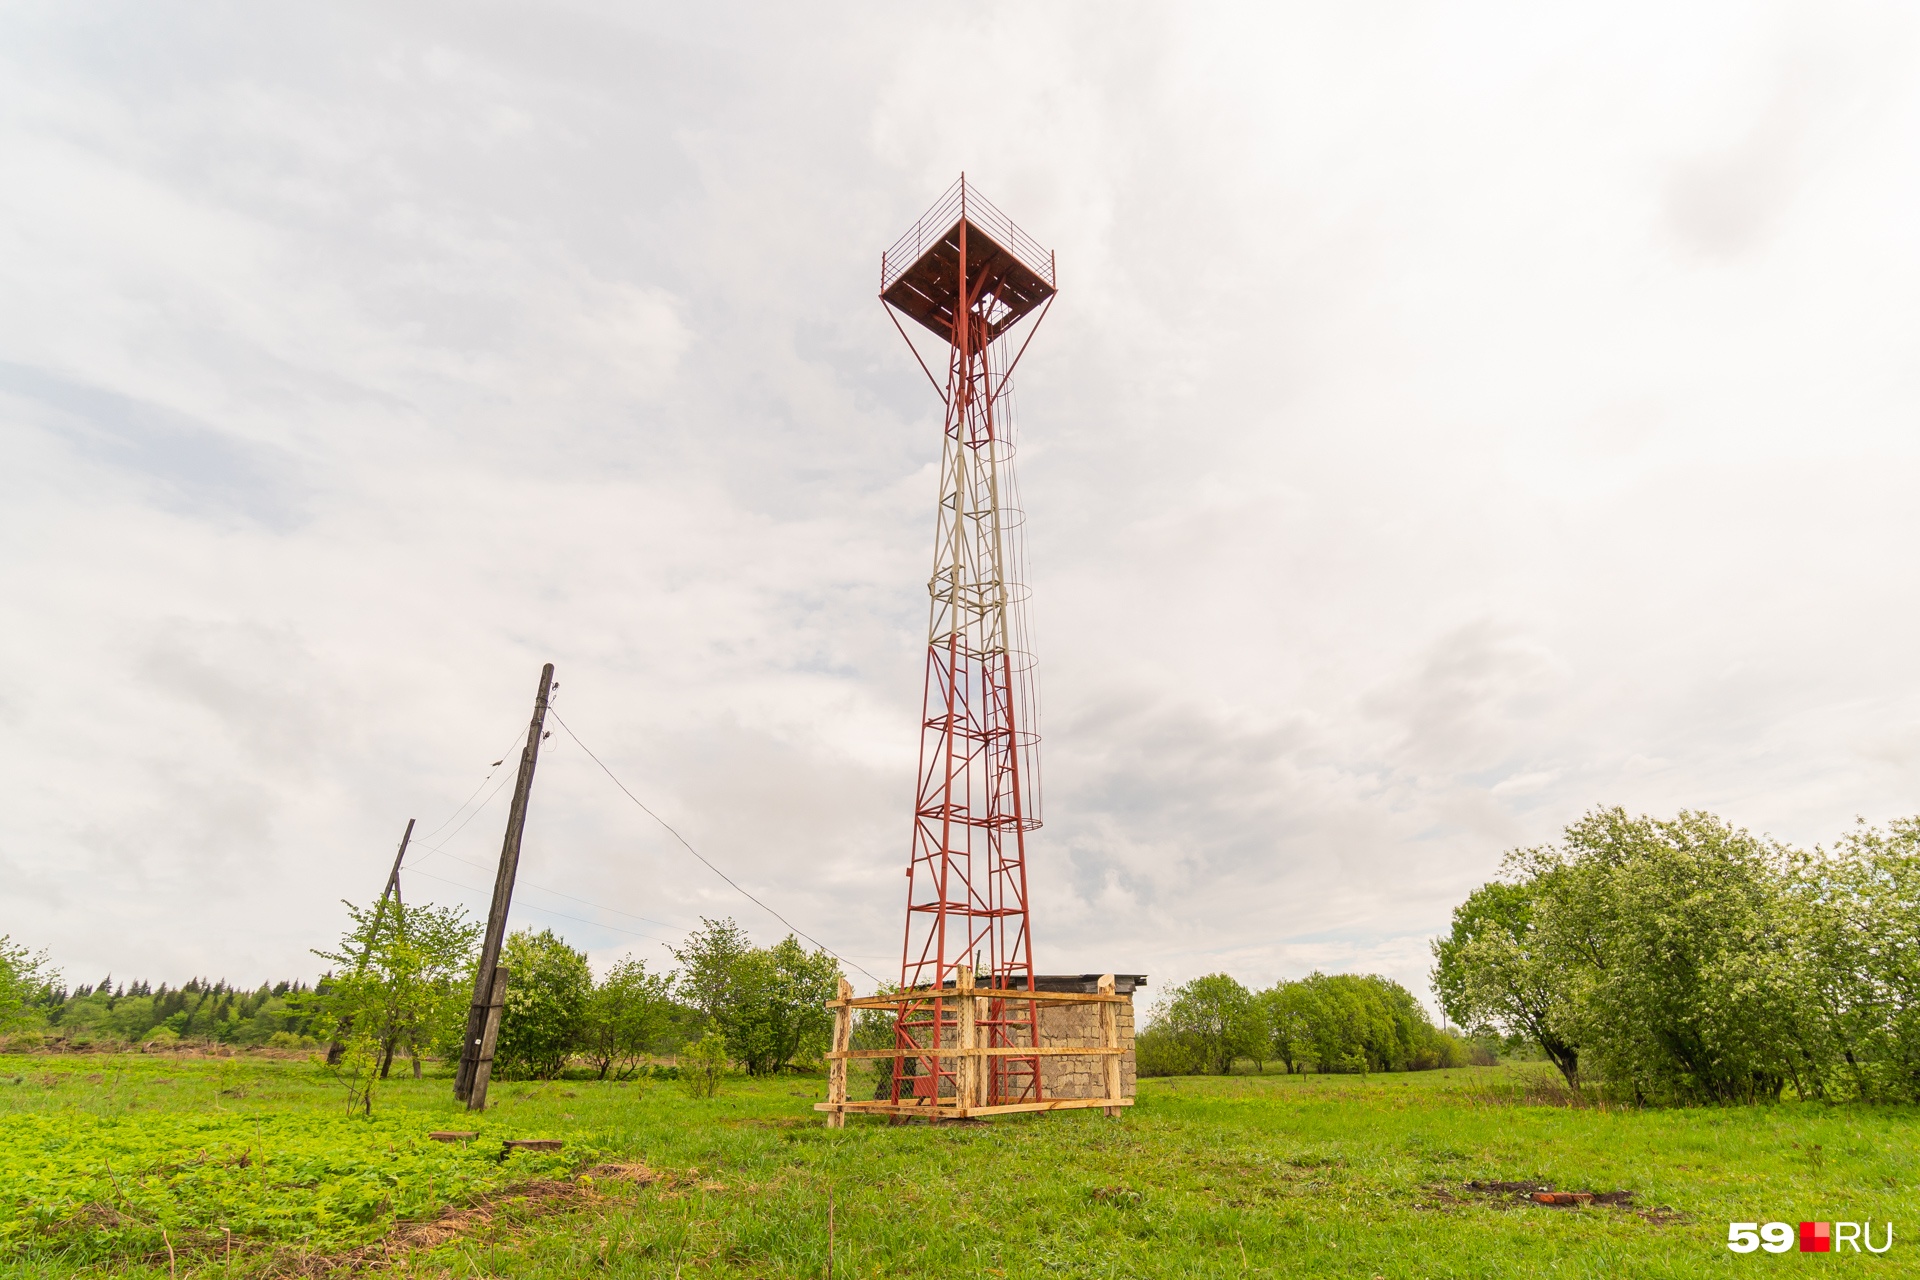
x: 1685, y: 960
x: 1161, y: 1053
x: 22, y: 975
x: 702, y: 1063
x: 549, y: 985
x: 1340, y: 1022
x: 1207, y: 1025
x: 627, y: 1015
x: 768, y: 1002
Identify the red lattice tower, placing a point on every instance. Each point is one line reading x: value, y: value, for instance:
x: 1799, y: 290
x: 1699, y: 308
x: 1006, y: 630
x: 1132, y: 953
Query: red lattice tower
x: 968, y: 275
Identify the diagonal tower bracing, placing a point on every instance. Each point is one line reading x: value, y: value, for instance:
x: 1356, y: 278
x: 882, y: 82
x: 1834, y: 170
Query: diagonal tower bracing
x: 968, y: 275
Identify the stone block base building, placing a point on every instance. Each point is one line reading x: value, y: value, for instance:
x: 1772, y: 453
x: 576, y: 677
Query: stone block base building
x: 1070, y: 1076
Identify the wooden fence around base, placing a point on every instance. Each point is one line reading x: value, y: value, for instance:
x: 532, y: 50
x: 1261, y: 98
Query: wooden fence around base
x: 996, y: 1051
x: 969, y: 1080
x: 923, y: 1109
x: 920, y: 995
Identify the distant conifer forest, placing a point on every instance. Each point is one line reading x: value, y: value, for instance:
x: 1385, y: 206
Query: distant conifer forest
x: 199, y: 1009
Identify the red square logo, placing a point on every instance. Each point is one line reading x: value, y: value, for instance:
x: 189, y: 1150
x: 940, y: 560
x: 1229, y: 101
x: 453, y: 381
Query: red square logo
x: 1816, y: 1237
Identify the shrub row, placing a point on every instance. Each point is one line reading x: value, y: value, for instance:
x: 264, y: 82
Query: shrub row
x: 1324, y: 1022
x: 1688, y: 961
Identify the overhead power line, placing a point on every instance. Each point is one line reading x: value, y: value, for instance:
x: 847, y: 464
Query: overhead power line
x: 589, y: 902
x: 696, y: 853
x: 572, y: 897
x: 528, y: 906
x: 428, y: 835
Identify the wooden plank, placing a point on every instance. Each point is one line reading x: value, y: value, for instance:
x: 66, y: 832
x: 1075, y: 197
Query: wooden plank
x: 984, y: 993
x: 1008, y: 1051
x: 982, y: 1071
x: 1050, y: 1104
x: 1110, y: 1032
x: 1046, y: 1051
x: 837, y: 1069
x: 922, y: 1108
x: 924, y: 996
x: 965, y: 1085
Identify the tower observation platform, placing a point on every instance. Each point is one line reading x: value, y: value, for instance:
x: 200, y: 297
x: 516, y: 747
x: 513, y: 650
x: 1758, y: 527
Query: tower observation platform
x: 976, y: 1031
x: 1008, y: 273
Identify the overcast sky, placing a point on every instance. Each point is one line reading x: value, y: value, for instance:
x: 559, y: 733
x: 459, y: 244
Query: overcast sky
x: 1453, y: 418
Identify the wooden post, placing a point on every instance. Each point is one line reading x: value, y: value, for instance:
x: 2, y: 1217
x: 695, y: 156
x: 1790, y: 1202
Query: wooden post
x: 1110, y: 1037
x: 490, y: 1037
x: 983, y: 1074
x: 939, y: 1042
x: 393, y: 888
x: 335, y: 1049
x: 837, y: 1067
x: 469, y: 1081
x: 393, y: 877
x: 965, y: 1086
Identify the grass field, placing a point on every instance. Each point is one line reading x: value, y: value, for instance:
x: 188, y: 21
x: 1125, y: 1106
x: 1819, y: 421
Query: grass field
x: 1300, y: 1176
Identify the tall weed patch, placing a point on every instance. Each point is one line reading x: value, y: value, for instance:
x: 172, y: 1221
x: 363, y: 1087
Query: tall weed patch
x: 100, y: 1186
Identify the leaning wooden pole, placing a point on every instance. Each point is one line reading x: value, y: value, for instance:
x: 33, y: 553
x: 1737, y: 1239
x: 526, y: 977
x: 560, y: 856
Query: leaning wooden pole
x: 399, y: 926
x: 476, y: 1049
x: 393, y: 877
x: 335, y: 1049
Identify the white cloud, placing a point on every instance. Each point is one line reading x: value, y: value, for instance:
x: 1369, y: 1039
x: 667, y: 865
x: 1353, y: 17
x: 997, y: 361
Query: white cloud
x: 1448, y: 423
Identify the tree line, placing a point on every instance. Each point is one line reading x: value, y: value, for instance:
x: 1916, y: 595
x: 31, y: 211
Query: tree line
x: 402, y: 979
x: 1339, y: 1022
x: 1685, y: 960
x: 399, y: 982
x: 108, y: 1013
x: 1653, y: 961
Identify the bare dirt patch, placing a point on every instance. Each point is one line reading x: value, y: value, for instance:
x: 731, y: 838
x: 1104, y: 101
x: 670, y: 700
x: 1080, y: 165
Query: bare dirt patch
x: 1520, y: 1195
x: 506, y: 1208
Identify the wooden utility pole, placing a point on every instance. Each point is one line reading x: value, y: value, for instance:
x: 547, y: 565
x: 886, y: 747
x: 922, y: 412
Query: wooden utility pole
x: 400, y: 926
x: 393, y: 877
x: 335, y: 1049
x: 489, y: 982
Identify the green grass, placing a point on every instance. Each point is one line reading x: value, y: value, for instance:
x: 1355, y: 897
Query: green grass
x: 1301, y: 1176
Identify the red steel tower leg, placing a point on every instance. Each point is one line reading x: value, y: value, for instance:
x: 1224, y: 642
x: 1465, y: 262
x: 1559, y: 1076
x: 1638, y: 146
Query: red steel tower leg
x: 970, y: 276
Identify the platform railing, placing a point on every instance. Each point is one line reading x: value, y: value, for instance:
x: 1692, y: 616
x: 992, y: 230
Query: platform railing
x: 934, y: 224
